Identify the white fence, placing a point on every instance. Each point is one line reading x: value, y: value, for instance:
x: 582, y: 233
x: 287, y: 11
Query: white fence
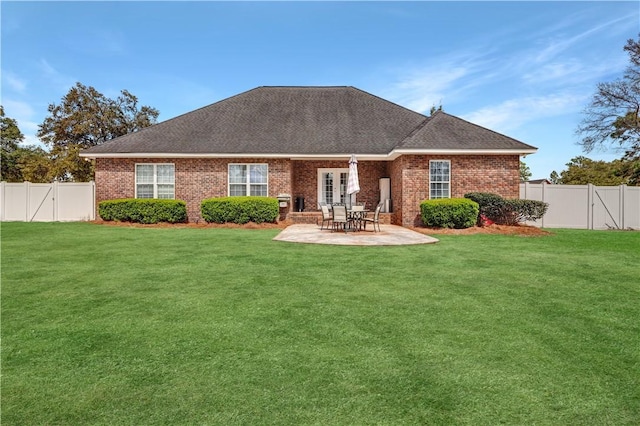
x: 47, y: 202
x: 586, y: 206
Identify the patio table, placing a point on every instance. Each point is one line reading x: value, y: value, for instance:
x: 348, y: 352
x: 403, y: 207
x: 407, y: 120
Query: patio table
x: 355, y: 218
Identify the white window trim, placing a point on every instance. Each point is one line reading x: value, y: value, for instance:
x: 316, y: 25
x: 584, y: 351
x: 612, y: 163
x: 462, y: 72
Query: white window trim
x: 448, y: 182
x: 335, y: 171
x: 248, y: 183
x: 155, y: 178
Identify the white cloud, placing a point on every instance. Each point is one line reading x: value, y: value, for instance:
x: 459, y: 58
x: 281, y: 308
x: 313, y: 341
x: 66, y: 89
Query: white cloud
x: 52, y: 75
x: 14, y: 82
x: 444, y: 79
x: 513, y: 113
x: 561, y: 43
x: 24, y: 115
x: 423, y: 89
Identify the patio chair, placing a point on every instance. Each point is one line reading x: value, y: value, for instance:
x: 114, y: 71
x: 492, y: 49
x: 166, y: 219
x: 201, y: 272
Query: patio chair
x: 340, y: 217
x: 327, y: 217
x: 375, y: 219
x: 357, y: 213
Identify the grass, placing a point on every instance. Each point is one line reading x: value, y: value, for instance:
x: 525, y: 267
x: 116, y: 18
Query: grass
x: 108, y: 325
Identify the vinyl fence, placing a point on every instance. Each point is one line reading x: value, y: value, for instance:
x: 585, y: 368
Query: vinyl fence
x: 47, y: 202
x: 586, y: 206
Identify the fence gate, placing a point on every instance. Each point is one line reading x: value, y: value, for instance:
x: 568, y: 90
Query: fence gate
x: 47, y: 202
x: 586, y: 206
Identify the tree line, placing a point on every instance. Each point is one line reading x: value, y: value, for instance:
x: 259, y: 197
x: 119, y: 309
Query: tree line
x: 85, y: 118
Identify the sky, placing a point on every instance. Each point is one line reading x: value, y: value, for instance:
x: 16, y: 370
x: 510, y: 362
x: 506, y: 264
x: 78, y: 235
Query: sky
x: 524, y: 69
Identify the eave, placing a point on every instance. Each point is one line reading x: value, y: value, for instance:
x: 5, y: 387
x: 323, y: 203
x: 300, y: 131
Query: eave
x: 314, y: 157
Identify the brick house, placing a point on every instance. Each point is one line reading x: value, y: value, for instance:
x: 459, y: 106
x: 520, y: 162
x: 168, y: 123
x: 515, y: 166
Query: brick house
x: 297, y: 141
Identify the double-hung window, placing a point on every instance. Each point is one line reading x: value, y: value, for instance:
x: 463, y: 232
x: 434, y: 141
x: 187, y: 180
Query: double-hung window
x: 248, y: 179
x: 439, y: 179
x: 155, y: 181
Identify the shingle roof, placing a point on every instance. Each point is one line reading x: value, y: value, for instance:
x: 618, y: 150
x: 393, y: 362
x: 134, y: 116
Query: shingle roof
x: 304, y: 121
x: 443, y: 131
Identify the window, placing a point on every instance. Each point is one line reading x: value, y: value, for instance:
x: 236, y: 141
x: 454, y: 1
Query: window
x: 439, y: 179
x: 155, y: 181
x: 248, y: 179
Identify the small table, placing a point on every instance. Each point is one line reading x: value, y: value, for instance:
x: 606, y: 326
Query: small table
x: 355, y: 218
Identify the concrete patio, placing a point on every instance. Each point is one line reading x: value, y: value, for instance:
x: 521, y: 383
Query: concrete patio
x: 389, y: 235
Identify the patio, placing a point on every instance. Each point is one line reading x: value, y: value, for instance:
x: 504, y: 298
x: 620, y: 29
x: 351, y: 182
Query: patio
x: 389, y: 235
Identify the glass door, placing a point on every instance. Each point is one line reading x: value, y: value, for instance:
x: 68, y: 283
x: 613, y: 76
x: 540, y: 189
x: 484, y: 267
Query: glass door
x: 332, y: 185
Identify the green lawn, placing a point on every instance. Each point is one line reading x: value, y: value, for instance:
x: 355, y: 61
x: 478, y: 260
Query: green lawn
x: 137, y: 326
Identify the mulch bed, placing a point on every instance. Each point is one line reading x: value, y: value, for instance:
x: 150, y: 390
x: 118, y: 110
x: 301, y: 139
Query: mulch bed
x: 522, y: 230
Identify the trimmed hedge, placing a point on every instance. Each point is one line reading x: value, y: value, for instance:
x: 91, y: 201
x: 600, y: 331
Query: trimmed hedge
x: 143, y: 210
x: 240, y: 209
x: 508, y: 211
x: 449, y: 213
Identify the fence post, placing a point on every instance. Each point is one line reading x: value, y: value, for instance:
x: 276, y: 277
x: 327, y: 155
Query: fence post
x: 590, y: 205
x: 54, y: 198
x: 27, y: 207
x: 3, y: 191
x: 623, y: 190
x: 93, y: 200
x: 544, y: 186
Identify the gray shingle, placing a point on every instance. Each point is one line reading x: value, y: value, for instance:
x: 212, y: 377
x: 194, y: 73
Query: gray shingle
x: 444, y: 131
x: 304, y: 121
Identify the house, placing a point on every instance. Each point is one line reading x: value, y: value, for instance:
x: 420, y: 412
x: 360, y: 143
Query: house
x: 298, y: 140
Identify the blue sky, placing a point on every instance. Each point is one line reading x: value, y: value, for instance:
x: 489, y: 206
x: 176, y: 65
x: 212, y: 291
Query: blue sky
x: 525, y: 69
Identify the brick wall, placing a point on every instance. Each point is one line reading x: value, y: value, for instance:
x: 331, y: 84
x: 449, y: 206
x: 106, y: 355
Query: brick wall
x: 306, y: 180
x: 195, y: 179
x: 491, y: 173
x: 198, y: 179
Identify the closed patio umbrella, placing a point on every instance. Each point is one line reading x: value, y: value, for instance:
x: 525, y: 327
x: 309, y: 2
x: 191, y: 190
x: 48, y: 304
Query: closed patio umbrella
x: 353, y: 184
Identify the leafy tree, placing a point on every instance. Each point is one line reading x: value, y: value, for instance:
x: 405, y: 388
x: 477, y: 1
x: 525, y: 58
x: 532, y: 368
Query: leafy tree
x: 525, y: 172
x: 582, y: 170
x: 86, y: 118
x: 613, y: 116
x: 10, y: 138
x: 34, y: 164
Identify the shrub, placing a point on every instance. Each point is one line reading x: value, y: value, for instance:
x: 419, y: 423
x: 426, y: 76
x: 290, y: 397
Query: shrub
x: 143, y: 210
x: 240, y: 209
x: 449, y: 213
x: 492, y: 206
x: 507, y: 211
x: 523, y: 210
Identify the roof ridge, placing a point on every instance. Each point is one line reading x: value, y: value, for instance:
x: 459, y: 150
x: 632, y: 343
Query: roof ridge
x: 413, y: 132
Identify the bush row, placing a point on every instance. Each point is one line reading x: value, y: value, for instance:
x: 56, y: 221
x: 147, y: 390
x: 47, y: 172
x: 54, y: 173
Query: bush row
x: 507, y: 211
x: 219, y: 210
x: 143, y: 210
x: 449, y: 213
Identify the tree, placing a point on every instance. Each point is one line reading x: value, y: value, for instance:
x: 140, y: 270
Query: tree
x: 10, y: 138
x: 582, y: 170
x: 525, y: 172
x: 613, y: 116
x: 34, y: 164
x: 86, y: 118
